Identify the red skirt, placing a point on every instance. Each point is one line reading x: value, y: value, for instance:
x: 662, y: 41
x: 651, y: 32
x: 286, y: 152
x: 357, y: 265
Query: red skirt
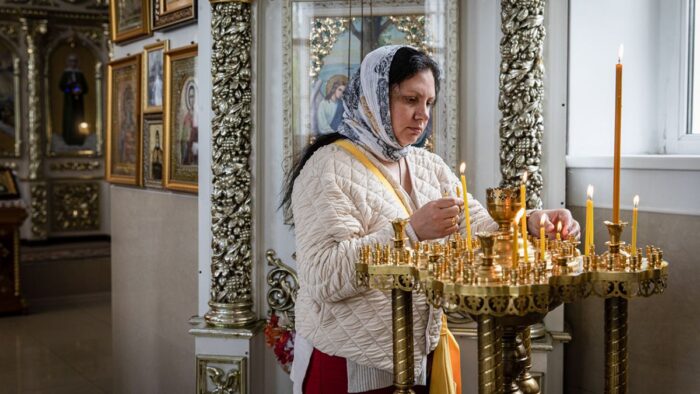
x: 329, y: 375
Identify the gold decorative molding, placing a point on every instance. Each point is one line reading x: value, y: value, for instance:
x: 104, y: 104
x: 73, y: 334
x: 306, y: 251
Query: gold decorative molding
x: 222, y: 375
x: 324, y: 33
x: 33, y: 33
x: 231, y: 301
x: 414, y: 28
x: 521, y: 98
x: 75, y: 166
x: 39, y: 209
x: 75, y: 206
x: 284, y: 285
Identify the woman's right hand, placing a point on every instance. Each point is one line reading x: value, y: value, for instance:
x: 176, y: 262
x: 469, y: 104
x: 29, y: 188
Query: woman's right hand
x: 437, y: 219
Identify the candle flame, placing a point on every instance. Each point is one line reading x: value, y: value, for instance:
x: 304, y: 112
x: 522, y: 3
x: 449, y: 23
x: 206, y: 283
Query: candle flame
x: 589, y: 192
x: 558, y: 227
x: 542, y: 220
x: 524, y: 177
x: 519, y: 215
x: 462, y: 168
x: 620, y: 52
x: 635, y: 201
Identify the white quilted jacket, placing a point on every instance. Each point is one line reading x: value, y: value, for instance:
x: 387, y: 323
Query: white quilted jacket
x: 339, y: 206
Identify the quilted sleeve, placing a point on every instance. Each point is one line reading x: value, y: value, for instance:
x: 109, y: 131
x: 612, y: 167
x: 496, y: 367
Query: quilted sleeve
x: 479, y: 216
x: 331, y: 226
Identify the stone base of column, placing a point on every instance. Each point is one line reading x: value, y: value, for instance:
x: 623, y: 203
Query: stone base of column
x: 229, y: 360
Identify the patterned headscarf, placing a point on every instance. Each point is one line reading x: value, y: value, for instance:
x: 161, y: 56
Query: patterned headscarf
x: 366, y: 117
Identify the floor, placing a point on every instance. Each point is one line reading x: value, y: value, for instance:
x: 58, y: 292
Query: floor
x: 58, y: 350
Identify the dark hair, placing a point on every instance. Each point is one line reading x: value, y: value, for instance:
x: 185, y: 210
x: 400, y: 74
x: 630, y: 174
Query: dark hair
x: 406, y: 63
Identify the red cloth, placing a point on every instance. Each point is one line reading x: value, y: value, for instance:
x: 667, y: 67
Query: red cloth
x: 329, y: 375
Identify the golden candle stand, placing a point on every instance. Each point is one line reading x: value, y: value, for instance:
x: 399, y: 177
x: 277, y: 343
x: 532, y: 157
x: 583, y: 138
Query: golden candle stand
x: 504, y: 297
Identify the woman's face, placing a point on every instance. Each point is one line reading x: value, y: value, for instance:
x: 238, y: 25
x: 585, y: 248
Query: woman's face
x: 410, y: 104
x: 339, y: 92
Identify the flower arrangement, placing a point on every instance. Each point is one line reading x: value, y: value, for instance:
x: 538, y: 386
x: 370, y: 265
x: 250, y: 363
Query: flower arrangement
x: 281, y: 340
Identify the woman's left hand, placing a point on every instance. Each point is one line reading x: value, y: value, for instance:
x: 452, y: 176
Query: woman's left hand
x: 569, y: 226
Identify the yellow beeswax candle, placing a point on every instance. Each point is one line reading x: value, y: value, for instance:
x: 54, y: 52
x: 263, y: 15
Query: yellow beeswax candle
x: 467, y: 219
x: 618, y: 128
x: 558, y: 231
x: 523, y: 220
x: 516, y: 222
x: 589, y: 221
x: 635, y: 203
x: 542, y: 236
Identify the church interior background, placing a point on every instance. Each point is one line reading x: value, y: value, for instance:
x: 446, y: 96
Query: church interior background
x: 143, y: 146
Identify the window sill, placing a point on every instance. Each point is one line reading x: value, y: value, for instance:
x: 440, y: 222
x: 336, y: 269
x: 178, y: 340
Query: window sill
x: 637, y: 162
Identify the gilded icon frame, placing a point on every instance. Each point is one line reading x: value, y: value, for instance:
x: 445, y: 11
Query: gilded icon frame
x: 130, y: 32
x: 150, y: 124
x: 180, y: 73
x: 16, y: 150
x: 8, y: 184
x: 160, y: 46
x: 96, y: 70
x: 181, y: 12
x: 124, y: 171
x: 304, y: 54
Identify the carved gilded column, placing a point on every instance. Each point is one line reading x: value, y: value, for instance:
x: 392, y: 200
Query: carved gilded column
x: 33, y: 32
x: 231, y: 302
x: 522, y: 94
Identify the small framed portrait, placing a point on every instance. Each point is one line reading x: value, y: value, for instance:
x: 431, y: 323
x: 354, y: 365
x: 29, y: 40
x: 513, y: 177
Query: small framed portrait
x: 124, y: 121
x: 153, y: 60
x: 180, y: 119
x: 8, y: 185
x: 153, y: 154
x: 168, y: 13
x: 129, y: 19
x: 74, y: 86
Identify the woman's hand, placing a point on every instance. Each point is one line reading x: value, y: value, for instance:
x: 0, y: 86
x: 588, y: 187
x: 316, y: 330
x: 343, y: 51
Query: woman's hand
x: 553, y: 216
x: 437, y: 219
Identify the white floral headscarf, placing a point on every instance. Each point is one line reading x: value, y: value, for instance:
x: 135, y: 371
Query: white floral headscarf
x: 366, y: 116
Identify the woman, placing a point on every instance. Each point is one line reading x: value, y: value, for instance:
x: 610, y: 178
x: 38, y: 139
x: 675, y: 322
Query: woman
x: 339, y: 204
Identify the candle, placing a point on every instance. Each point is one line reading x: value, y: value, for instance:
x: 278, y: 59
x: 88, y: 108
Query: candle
x: 515, y: 257
x: 542, y: 236
x: 523, y: 221
x: 635, y: 203
x: 589, y: 221
x: 467, y: 219
x: 618, y: 127
x: 558, y: 231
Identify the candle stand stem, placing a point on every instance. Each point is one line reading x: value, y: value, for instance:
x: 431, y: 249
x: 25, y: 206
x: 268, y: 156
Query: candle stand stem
x: 615, y: 345
x: 526, y: 382
x: 490, y: 355
x: 402, y: 326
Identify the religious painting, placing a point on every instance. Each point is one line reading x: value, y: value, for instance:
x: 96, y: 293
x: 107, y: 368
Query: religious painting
x: 153, y: 60
x: 73, y: 83
x: 129, y: 19
x: 181, y: 123
x: 8, y: 185
x: 10, y: 115
x: 329, y: 39
x: 124, y: 121
x: 169, y: 13
x: 153, y: 151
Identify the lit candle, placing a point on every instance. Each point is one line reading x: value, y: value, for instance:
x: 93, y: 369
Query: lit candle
x: 523, y: 221
x: 516, y: 221
x: 542, y: 235
x: 589, y: 221
x: 618, y: 127
x: 83, y: 128
x: 635, y: 203
x: 558, y: 231
x: 462, y: 168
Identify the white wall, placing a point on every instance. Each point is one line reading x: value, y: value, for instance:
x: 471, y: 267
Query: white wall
x: 597, y: 28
